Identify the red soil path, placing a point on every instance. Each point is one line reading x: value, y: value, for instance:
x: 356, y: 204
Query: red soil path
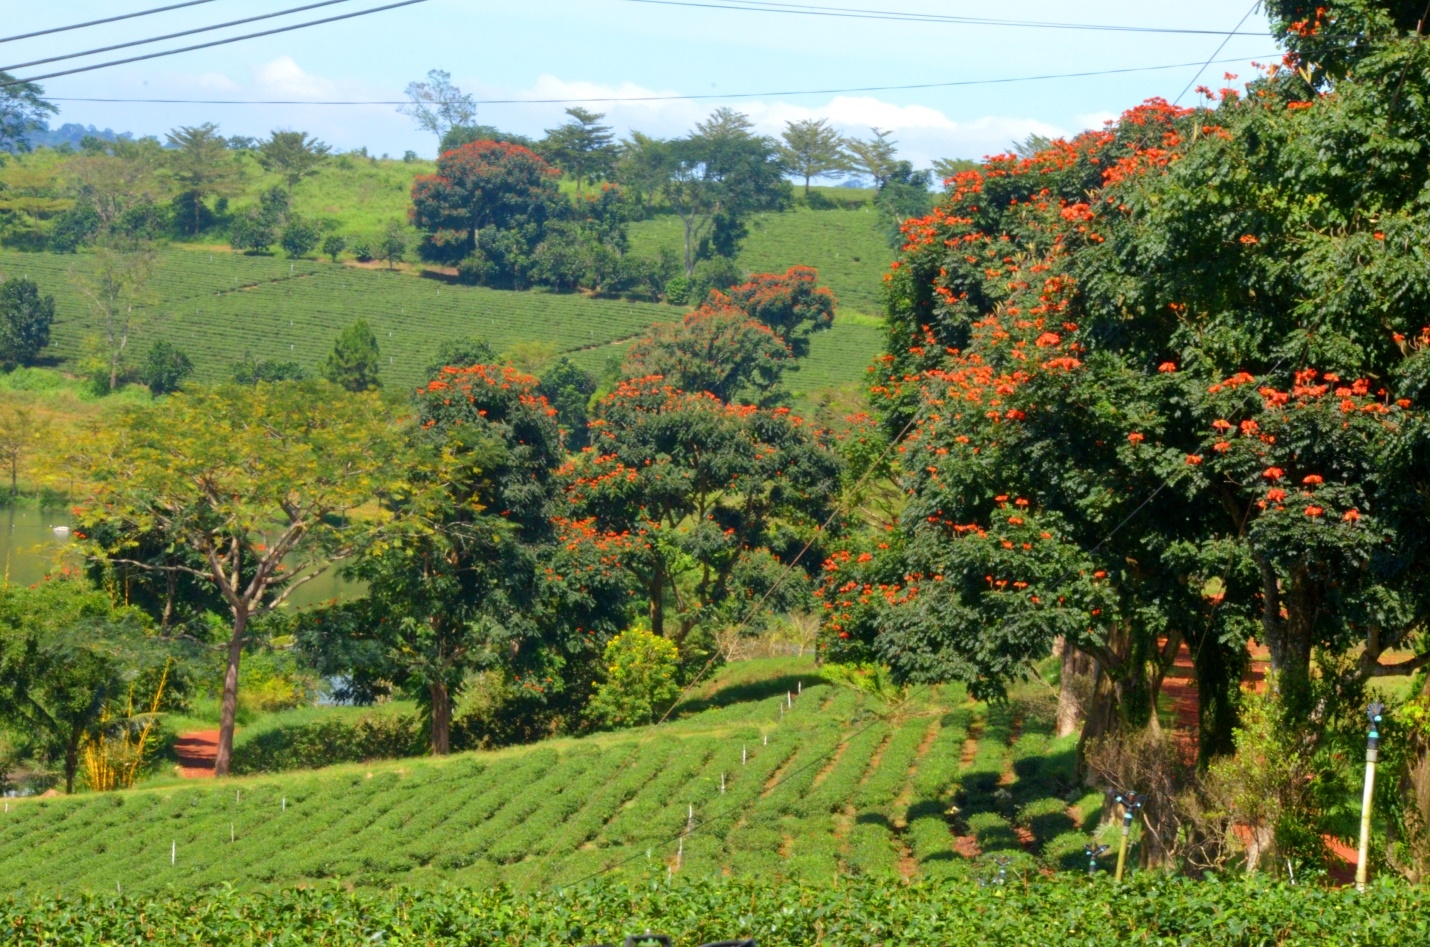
x: 196, y: 752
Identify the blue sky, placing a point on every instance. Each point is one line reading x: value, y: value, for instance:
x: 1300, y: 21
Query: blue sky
x: 508, y: 49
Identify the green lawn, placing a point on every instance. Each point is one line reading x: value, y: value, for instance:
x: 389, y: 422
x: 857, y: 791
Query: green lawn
x: 826, y: 787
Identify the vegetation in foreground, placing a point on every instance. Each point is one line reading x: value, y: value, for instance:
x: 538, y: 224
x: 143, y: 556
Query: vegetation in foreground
x: 1017, y: 910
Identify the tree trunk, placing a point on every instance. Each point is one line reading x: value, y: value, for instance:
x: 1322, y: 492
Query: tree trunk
x: 441, y: 718
x: 1070, y: 710
x: 1218, y: 670
x: 229, y: 707
x: 689, y: 252
x: 1289, y: 638
x: 806, y: 187
x: 72, y: 759
x: 14, y: 478
x: 657, y: 598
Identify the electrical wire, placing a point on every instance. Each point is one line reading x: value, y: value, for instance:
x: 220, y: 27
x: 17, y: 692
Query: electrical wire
x: 759, y: 6
x: 664, y: 98
x: 1256, y: 4
x: 156, y: 39
x: 217, y: 42
x: 108, y: 19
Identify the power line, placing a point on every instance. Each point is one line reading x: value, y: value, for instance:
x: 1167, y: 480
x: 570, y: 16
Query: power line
x: 1255, y: 4
x: 109, y: 19
x: 855, y: 13
x: 662, y: 98
x: 156, y: 39
x: 217, y: 42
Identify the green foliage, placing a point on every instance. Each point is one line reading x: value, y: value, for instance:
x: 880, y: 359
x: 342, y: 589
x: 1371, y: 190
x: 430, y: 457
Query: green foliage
x: 582, y: 147
x: 23, y: 110
x: 293, y: 156
x: 248, y: 482
x: 328, y: 740
x: 165, y: 367
x: 25, y: 320
x: 812, y: 149
x: 640, y: 684
x: 202, y: 168
x: 355, y: 362
x: 66, y: 656
x: 1073, y: 910
x: 251, y: 371
x: 568, y: 389
x: 300, y: 237
x: 334, y: 244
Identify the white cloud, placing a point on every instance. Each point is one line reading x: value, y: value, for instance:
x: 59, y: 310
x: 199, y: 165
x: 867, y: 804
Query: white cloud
x: 283, y: 77
x: 1095, y: 119
x: 214, y: 82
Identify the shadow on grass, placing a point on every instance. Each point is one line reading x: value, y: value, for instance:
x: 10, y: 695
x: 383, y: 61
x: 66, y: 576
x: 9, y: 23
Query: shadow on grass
x: 747, y: 691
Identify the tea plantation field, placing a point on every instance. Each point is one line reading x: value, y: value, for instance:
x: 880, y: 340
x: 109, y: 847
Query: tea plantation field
x: 848, y: 246
x: 220, y: 307
x: 819, y: 781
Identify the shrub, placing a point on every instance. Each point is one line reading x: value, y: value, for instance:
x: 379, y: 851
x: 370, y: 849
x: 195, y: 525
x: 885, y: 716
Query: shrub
x: 372, y: 736
x: 333, y: 244
x: 165, y: 367
x: 362, y: 249
x: 252, y: 233
x: 640, y: 679
x: 300, y: 237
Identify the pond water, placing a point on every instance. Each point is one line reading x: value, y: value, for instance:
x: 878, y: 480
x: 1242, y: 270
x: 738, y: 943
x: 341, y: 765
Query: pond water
x: 36, y: 541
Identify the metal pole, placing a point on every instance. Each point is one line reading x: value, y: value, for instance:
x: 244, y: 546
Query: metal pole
x: 1131, y: 802
x: 1372, y: 753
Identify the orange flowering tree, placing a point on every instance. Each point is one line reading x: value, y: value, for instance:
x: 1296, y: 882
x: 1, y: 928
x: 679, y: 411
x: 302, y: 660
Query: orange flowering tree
x: 1104, y: 353
x: 713, y: 498
x: 476, y: 572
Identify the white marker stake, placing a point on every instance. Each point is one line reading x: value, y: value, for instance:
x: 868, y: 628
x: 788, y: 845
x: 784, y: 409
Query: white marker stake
x: 173, y: 852
x: 722, y: 784
x: 743, y: 755
x: 799, y: 688
x: 789, y: 700
x: 283, y: 806
x: 237, y: 795
x: 767, y: 739
x: 230, y: 833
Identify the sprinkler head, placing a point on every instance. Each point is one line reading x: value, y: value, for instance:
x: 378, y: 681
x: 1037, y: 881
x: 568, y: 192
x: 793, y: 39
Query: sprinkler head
x: 1375, y: 711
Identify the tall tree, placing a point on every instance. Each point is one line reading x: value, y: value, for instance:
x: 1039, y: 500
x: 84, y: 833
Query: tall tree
x: 437, y: 105
x: 710, y: 488
x: 643, y: 166
x: 25, y: 320
x: 355, y: 364
x: 811, y: 148
x: 293, y: 156
x: 23, y: 111
x: 258, y: 481
x: 582, y: 147
x: 874, y: 156
x: 20, y: 432
x: 481, y: 574
x: 481, y: 185
x: 719, y: 176
x: 203, y: 168
x: 117, y: 286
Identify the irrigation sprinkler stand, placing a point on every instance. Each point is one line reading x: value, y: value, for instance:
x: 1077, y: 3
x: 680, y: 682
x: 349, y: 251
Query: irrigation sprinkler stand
x: 1372, y: 753
x: 1130, y: 802
x: 1093, y: 853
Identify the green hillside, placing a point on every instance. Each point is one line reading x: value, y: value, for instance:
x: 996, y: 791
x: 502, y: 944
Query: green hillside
x: 847, y: 246
x: 220, y: 307
x: 829, y: 787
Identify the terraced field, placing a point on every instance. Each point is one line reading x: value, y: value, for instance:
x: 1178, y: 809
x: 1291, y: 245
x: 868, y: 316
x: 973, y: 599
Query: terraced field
x: 220, y: 307
x: 770, y: 772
